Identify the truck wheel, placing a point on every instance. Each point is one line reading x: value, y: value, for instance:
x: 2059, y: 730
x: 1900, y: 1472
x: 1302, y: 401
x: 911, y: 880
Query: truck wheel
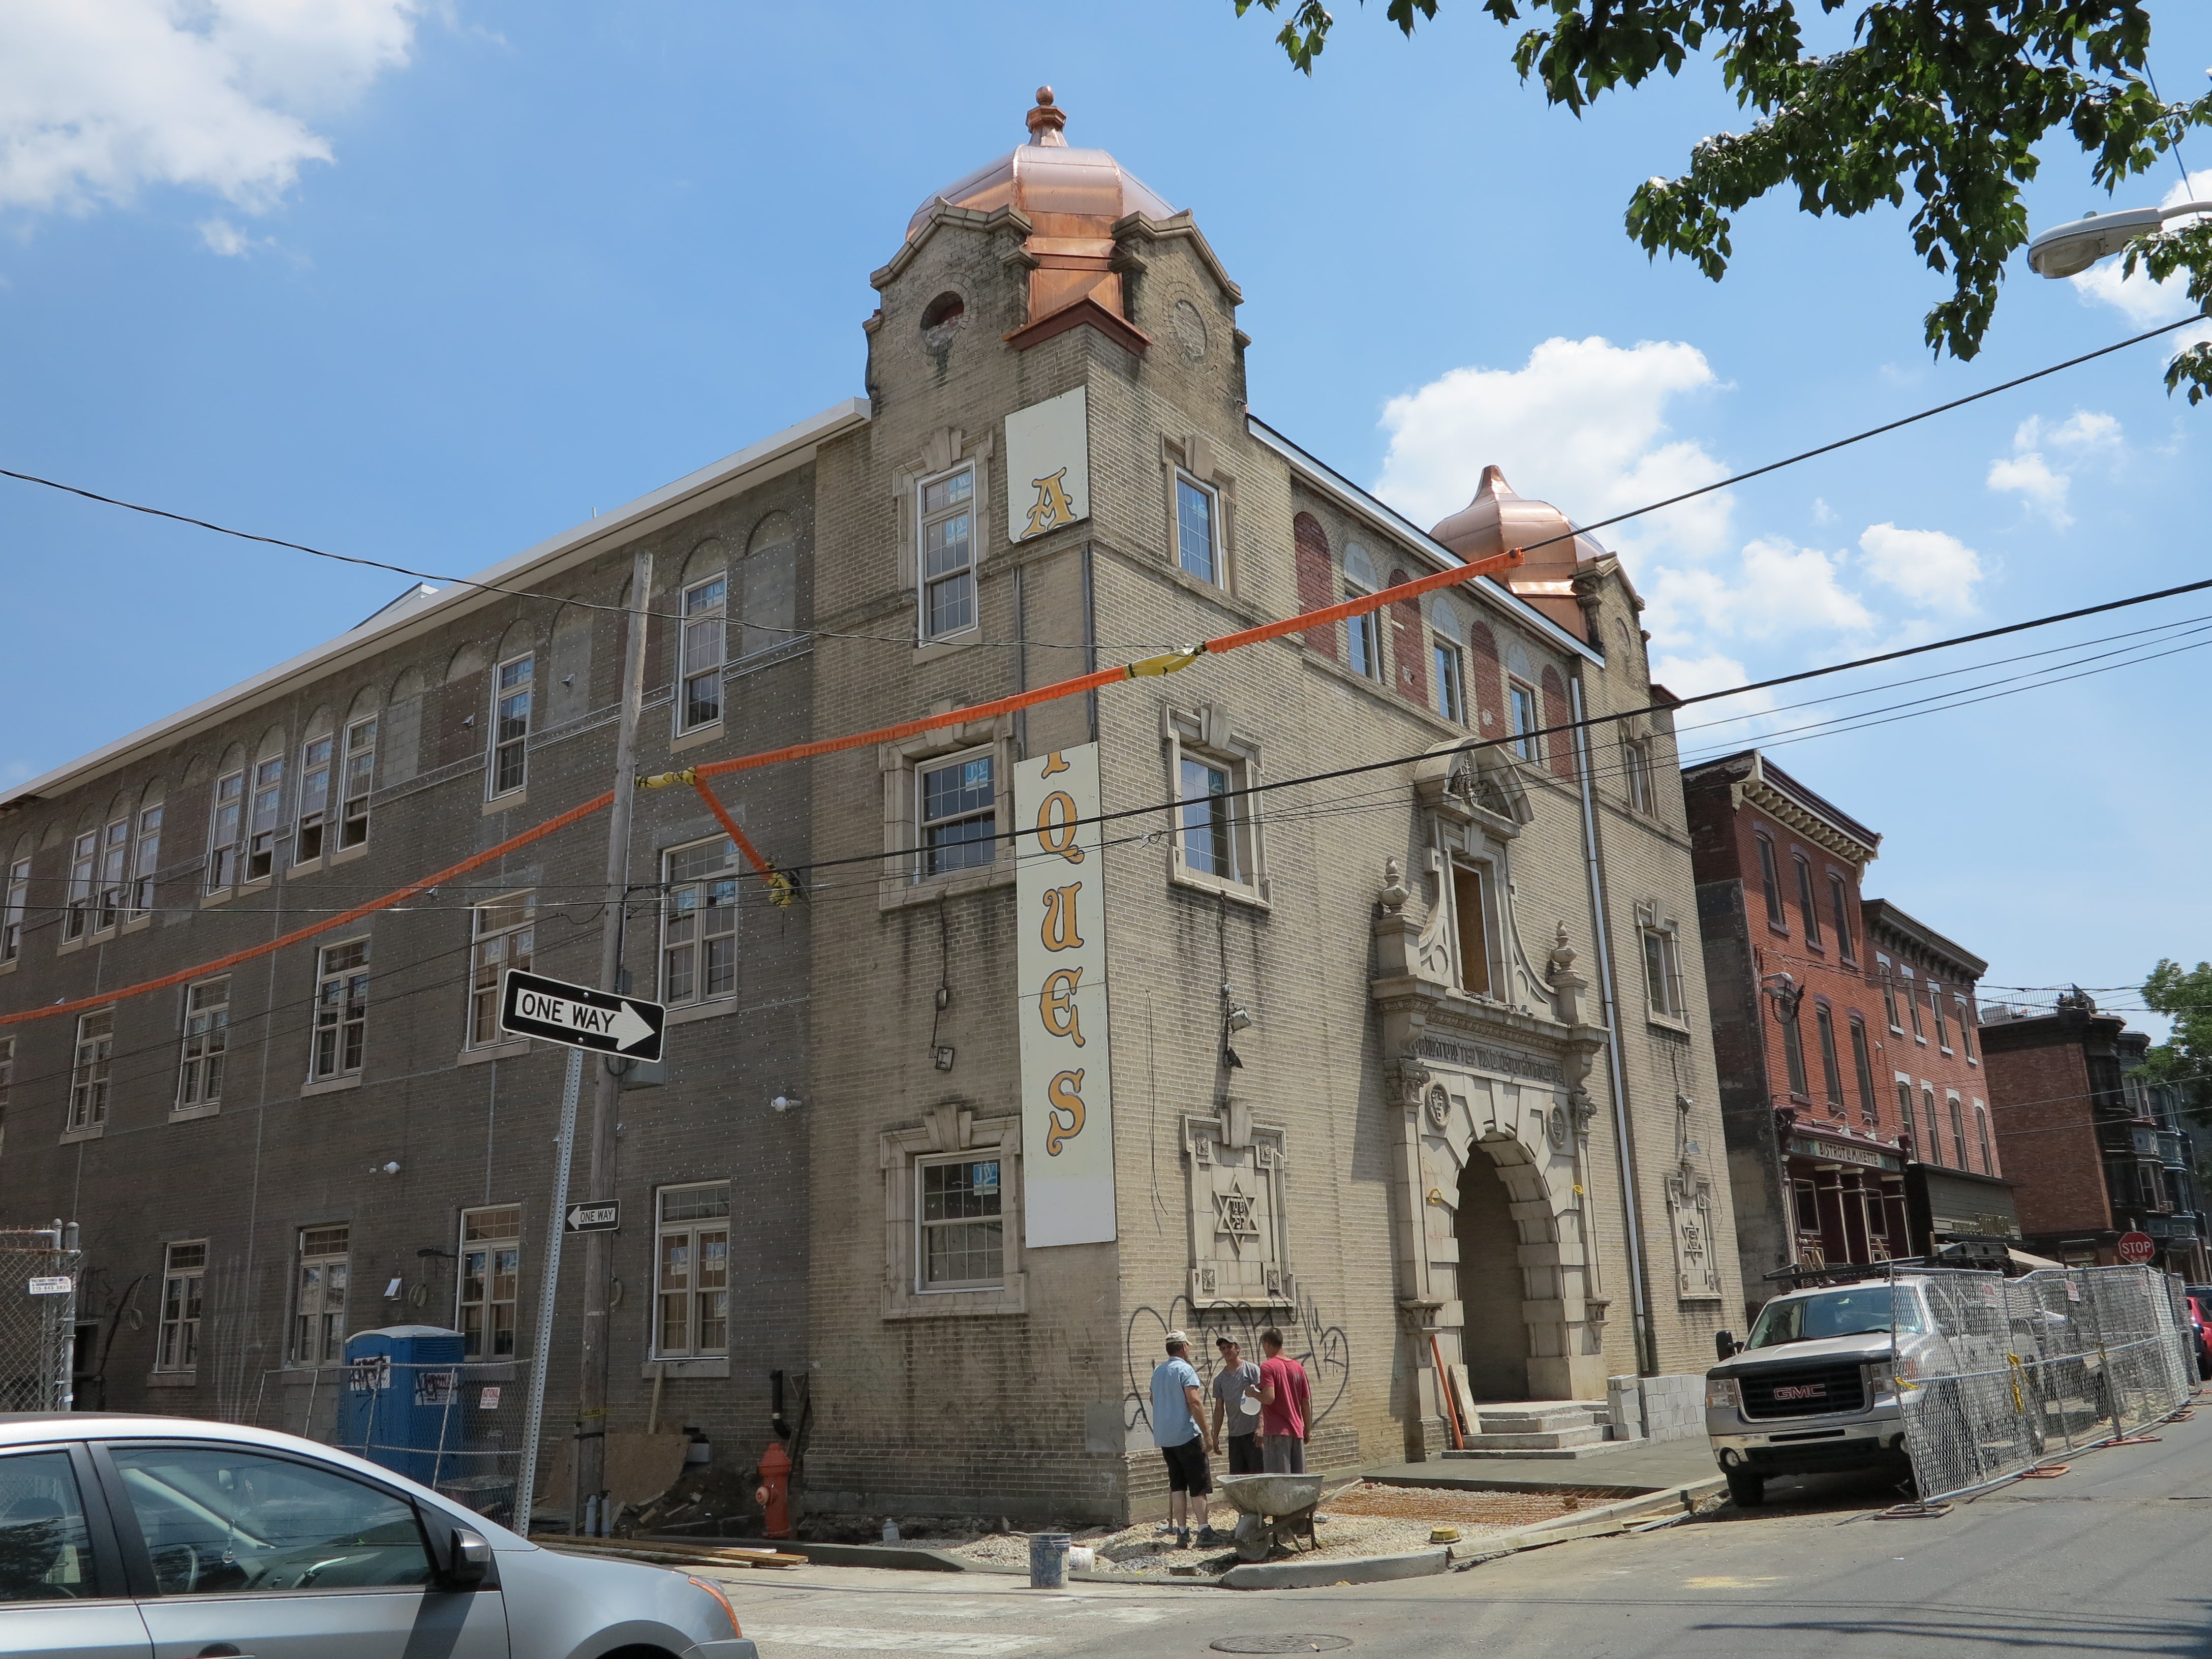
x: 1748, y: 1490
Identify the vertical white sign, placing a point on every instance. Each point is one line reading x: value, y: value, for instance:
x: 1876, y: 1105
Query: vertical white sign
x: 1068, y: 1095
x: 1047, y: 465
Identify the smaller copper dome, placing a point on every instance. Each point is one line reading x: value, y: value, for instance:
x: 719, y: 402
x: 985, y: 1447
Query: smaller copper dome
x: 1496, y: 521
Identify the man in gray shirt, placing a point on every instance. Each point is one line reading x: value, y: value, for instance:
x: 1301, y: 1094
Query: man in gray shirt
x: 1236, y: 1406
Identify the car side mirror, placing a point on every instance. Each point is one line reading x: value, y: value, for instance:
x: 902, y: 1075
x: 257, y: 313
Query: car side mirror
x: 468, y: 1558
x: 1725, y: 1344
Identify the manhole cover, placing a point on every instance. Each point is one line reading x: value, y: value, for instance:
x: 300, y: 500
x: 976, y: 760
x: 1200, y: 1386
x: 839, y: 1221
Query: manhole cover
x: 1280, y: 1644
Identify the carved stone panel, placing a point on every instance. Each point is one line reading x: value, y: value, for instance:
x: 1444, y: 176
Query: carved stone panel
x: 1237, y: 1188
x: 1690, y: 1224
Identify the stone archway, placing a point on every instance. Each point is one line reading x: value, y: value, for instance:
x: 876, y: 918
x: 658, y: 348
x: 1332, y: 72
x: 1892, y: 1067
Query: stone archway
x: 1493, y: 1290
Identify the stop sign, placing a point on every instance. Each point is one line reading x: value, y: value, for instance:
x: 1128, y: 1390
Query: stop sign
x: 2136, y: 1248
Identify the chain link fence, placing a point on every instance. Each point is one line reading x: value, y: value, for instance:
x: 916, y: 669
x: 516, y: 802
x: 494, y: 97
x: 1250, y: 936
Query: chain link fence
x: 1996, y: 1375
x: 39, y: 1274
x: 456, y: 1427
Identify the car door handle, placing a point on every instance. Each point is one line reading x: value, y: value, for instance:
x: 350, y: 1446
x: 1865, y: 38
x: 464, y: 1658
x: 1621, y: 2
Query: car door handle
x: 223, y: 1650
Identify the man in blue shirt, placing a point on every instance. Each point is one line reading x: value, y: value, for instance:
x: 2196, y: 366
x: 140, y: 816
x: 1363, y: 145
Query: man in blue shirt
x: 1178, y: 1429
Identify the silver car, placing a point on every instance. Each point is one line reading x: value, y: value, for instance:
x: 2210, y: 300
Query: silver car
x: 171, y: 1538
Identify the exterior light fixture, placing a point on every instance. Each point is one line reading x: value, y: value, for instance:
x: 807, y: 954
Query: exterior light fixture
x: 2070, y: 249
x: 782, y: 1103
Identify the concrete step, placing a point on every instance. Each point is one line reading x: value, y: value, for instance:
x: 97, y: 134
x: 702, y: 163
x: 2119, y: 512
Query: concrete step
x: 1559, y: 1440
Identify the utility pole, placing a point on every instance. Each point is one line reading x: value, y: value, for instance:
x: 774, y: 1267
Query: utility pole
x: 591, y: 1459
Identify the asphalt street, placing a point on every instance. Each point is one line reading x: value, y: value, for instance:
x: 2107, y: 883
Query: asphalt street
x: 2112, y: 1558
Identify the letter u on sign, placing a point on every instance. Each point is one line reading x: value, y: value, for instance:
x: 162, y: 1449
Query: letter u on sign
x: 1067, y: 1098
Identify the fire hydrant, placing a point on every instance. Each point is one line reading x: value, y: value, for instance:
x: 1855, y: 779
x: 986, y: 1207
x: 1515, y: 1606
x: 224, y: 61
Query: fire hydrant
x: 773, y: 1493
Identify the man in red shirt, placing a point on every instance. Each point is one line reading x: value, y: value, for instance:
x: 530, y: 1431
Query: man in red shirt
x: 1285, y: 1394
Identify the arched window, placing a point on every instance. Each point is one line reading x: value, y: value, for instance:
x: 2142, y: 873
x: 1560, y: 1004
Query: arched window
x: 1363, y: 640
x: 770, y: 604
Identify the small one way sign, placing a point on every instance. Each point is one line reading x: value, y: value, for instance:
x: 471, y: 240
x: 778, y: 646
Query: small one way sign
x: 530, y: 1004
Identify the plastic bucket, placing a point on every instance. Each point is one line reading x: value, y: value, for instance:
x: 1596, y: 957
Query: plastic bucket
x: 1049, y: 1560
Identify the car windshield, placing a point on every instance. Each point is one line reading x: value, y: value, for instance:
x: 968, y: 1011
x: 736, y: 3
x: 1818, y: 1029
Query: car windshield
x: 1834, y: 1313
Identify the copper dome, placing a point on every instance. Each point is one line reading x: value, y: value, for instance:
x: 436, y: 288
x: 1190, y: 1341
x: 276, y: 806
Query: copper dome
x: 1049, y: 184
x: 1072, y: 198
x: 1497, y: 520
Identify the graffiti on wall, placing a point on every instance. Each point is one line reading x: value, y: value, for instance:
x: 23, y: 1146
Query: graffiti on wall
x: 1323, y: 1348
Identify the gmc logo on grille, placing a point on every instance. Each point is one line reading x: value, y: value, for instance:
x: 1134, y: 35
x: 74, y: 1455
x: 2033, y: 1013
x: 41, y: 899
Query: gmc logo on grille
x: 1802, y: 1391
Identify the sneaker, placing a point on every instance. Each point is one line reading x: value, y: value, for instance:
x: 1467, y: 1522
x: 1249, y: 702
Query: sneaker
x: 1182, y: 1538
x: 1207, y: 1535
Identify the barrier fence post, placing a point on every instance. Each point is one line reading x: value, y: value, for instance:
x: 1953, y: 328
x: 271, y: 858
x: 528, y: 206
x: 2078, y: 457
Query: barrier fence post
x: 525, y: 1480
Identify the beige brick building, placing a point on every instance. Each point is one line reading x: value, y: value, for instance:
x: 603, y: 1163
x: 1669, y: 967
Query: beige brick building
x: 1403, y: 1060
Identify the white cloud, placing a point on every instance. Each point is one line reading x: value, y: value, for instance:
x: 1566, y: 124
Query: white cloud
x: 1931, y: 568
x: 1778, y: 588
x: 2029, y: 477
x: 224, y: 237
x: 1582, y: 424
x: 2028, y: 473
x: 100, y: 98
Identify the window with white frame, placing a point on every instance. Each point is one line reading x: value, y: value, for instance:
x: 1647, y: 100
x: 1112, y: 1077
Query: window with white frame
x: 691, y: 1272
x: 1662, y: 968
x: 1935, y: 1007
x: 490, y: 1280
x: 959, y: 1232
x: 1957, y: 1126
x: 95, y: 1061
x: 705, y: 642
x: 319, y: 1324
x: 1770, y: 885
x: 1451, y: 680
x: 946, y: 519
x: 1635, y: 773
x: 1934, y: 1132
x: 1197, y: 540
x: 266, y: 809
x: 1929, y: 1153
x: 510, y: 736
x: 1363, y: 636
x: 1886, y: 974
x: 1471, y: 912
x: 699, y: 923
x: 226, y: 824
x: 207, y: 1041
x: 17, y: 910
x: 1807, y: 909
x: 310, y: 833
x: 341, y: 1009
x: 146, y: 859
x: 355, y: 781
x: 958, y: 810
x: 1521, y: 721
x: 1209, y: 814
x: 1912, y: 1003
x: 1982, y: 1129
x: 503, y: 932
x: 1862, y: 1064
x: 114, y: 872
x: 83, y: 884
x: 183, y: 1271
x: 1839, y: 908
x: 1964, y: 1010
x: 1831, y: 1070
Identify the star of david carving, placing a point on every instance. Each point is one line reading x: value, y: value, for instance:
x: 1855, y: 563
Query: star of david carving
x: 1232, y: 1213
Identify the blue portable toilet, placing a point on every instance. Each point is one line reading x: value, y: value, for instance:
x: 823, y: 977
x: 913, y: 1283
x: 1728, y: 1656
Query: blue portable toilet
x: 400, y: 1405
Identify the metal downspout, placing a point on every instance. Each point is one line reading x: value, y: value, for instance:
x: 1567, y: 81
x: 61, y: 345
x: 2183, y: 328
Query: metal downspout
x: 1647, y: 1361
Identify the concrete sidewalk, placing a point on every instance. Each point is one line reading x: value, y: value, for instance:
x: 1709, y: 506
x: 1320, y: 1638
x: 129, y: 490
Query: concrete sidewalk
x: 1638, y: 1465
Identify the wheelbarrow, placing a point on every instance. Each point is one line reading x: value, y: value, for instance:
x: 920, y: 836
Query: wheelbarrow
x: 1272, y: 1510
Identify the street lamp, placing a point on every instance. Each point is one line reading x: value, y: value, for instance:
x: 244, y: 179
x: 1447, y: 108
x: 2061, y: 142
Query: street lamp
x: 2069, y: 250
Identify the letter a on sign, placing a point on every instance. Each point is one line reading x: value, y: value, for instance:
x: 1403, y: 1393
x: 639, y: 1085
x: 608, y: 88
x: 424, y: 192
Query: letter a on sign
x: 1067, y: 1096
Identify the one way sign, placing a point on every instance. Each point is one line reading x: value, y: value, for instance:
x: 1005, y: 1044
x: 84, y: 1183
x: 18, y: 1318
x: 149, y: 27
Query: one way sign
x: 530, y: 1004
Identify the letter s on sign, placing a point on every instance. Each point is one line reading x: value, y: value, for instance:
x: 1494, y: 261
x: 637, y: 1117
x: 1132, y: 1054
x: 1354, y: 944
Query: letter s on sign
x: 1064, y: 1094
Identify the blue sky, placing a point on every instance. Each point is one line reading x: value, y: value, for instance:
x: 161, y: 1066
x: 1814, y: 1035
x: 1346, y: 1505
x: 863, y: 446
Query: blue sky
x: 428, y: 282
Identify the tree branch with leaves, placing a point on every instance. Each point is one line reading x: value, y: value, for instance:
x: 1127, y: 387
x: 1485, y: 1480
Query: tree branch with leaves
x: 1946, y: 104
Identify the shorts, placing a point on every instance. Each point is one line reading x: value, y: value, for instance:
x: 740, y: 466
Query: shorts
x: 1186, y: 1468
x: 1244, y: 1454
x: 1286, y: 1454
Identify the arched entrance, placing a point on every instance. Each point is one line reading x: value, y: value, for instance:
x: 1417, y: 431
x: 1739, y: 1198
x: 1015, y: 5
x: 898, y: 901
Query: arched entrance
x: 1493, y: 1286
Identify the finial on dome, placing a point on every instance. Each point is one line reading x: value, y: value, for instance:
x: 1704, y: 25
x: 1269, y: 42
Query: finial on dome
x: 1046, y: 120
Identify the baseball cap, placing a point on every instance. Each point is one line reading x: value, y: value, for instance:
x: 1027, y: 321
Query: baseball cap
x: 1178, y: 1338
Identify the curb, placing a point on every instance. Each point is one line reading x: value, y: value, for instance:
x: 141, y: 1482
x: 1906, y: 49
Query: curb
x: 1592, y: 1524
x: 1310, y: 1574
